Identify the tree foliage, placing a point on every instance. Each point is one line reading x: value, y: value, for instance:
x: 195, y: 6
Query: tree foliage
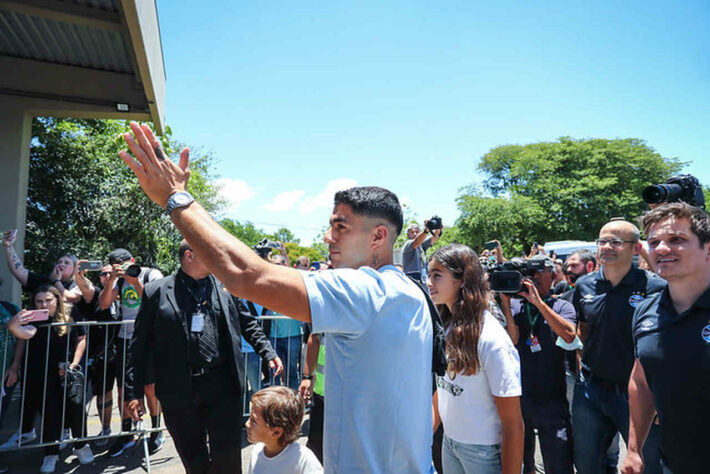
x: 83, y: 199
x: 559, y: 190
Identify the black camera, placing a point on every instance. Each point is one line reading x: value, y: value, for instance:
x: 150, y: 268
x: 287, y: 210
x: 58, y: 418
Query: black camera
x: 434, y: 223
x: 683, y: 187
x: 131, y: 269
x: 264, y: 247
x: 507, y: 277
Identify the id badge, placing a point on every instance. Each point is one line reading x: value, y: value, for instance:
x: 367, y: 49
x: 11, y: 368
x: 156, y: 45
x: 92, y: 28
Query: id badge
x: 535, y: 344
x: 198, y: 322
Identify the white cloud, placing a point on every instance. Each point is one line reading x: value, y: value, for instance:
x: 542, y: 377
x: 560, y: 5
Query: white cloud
x: 235, y: 192
x: 325, y: 198
x: 284, y: 201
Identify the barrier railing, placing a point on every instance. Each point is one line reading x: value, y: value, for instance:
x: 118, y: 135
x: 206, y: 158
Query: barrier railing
x: 289, y: 348
x: 97, y: 355
x: 72, y: 409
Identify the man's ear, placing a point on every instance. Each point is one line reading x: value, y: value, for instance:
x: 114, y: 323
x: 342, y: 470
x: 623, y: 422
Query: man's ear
x: 380, y: 235
x: 637, y: 248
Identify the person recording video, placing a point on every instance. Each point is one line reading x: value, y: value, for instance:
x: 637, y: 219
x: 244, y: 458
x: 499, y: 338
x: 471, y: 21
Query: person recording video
x: 418, y: 242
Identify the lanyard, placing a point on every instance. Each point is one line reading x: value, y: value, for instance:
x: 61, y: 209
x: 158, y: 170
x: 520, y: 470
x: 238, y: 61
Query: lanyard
x: 531, y: 319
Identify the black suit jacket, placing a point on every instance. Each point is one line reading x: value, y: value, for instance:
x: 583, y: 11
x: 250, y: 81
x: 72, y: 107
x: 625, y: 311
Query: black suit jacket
x: 160, y: 337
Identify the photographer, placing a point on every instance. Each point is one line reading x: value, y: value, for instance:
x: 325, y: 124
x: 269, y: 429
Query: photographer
x: 418, y: 242
x: 125, y: 284
x: 536, y: 321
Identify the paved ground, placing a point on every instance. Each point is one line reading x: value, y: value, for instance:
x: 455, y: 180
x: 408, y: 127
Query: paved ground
x: 163, y: 462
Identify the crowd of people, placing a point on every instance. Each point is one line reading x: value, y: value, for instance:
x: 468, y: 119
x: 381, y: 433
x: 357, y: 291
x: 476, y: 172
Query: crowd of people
x: 425, y: 367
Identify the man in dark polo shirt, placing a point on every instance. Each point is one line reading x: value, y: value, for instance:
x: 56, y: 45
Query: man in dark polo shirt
x: 671, y: 374
x: 534, y: 324
x: 605, y: 302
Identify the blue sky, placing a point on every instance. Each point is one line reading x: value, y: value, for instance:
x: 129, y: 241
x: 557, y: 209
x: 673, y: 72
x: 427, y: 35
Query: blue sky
x: 297, y: 100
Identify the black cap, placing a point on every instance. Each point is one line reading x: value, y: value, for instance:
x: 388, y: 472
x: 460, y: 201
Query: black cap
x: 119, y: 256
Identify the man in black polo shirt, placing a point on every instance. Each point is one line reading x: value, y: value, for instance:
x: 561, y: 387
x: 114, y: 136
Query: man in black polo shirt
x: 534, y: 324
x: 605, y: 302
x: 671, y: 374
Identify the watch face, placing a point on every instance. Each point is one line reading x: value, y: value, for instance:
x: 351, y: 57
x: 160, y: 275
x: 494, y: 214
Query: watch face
x: 181, y: 198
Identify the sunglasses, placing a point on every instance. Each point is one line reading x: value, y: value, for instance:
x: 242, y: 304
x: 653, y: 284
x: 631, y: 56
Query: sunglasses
x: 103, y: 274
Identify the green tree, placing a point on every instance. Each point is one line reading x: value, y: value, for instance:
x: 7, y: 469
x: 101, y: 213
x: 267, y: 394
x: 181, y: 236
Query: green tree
x: 284, y: 235
x: 244, y: 231
x: 83, y: 199
x: 293, y: 250
x: 565, y: 189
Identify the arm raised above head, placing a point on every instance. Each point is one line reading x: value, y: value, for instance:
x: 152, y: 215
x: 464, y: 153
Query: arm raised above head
x: 244, y: 274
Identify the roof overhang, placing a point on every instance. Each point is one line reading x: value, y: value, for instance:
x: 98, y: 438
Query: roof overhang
x: 84, y: 58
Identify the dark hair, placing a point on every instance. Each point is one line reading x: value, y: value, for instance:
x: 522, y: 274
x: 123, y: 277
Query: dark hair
x: 184, y: 247
x: 463, y: 325
x: 699, y: 220
x: 281, y: 407
x: 373, y: 201
x: 585, y: 256
x: 119, y: 256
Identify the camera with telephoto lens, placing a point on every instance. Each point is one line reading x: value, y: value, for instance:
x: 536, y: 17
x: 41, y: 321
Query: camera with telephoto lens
x: 131, y: 269
x: 507, y: 277
x: 434, y: 223
x: 264, y: 247
x: 683, y: 187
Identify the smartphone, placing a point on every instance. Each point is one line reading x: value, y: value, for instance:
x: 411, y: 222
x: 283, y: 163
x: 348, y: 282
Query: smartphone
x: 491, y: 245
x: 39, y: 315
x: 91, y: 266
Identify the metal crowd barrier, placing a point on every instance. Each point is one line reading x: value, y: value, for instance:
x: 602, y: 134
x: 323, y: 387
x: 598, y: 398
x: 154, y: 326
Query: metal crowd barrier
x: 291, y: 357
x: 140, y: 431
x: 290, y: 352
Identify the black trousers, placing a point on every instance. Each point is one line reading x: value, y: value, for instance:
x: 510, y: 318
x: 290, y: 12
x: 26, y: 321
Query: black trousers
x: 52, y: 413
x: 554, y: 430
x: 213, y: 410
x: 315, y: 433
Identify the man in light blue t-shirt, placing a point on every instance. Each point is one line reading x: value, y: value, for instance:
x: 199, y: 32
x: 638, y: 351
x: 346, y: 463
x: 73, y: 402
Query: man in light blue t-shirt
x: 377, y: 323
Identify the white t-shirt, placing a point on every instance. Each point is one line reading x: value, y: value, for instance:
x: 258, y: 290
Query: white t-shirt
x: 294, y: 459
x: 466, y: 405
x: 378, y: 385
x: 130, y: 301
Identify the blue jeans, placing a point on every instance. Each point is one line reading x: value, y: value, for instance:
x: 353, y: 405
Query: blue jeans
x: 598, y: 413
x: 462, y: 458
x: 289, y: 350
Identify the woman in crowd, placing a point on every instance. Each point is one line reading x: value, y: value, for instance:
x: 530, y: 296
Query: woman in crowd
x: 478, y: 399
x: 49, y: 350
x: 61, y: 276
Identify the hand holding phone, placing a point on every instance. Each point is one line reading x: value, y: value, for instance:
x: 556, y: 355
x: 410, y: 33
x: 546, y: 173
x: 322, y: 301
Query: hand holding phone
x: 90, y: 265
x: 33, y: 315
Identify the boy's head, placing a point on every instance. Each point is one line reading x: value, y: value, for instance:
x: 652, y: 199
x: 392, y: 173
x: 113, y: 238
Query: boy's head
x: 276, y: 415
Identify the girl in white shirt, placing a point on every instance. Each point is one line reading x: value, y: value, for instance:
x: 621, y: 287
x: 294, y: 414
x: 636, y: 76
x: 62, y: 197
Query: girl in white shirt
x: 478, y: 399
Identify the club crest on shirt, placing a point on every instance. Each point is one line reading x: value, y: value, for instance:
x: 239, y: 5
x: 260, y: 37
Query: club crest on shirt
x: 646, y: 324
x: 635, y: 299
x: 588, y: 298
x: 705, y: 334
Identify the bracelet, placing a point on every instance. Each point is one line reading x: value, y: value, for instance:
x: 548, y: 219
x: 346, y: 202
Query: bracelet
x: 307, y: 377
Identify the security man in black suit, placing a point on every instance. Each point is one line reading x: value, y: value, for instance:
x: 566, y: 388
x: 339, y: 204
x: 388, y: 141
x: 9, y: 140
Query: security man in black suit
x: 189, y: 327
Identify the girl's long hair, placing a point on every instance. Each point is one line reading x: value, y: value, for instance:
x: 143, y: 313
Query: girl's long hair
x: 61, y: 315
x: 463, y: 325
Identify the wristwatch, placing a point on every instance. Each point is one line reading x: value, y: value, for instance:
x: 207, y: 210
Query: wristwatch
x: 307, y: 377
x: 178, y: 199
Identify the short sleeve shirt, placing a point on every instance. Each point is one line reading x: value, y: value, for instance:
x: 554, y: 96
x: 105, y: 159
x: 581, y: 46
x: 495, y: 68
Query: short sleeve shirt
x: 608, y: 311
x: 674, y: 350
x: 413, y: 258
x: 35, y: 280
x: 130, y: 300
x: 378, y: 387
x: 543, y: 371
x: 466, y: 401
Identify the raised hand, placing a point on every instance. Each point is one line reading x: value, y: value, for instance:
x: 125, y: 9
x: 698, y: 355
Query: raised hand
x: 158, y: 176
